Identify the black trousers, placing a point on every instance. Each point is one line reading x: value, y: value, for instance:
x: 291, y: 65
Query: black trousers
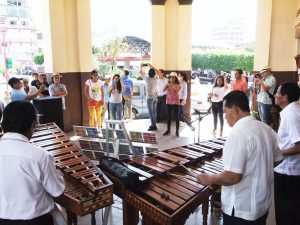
x: 232, y: 220
x: 41, y: 220
x: 161, y: 110
x: 287, y: 199
x: 175, y: 109
x: 217, y: 110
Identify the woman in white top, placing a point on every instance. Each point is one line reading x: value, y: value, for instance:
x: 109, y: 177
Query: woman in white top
x: 115, y: 98
x: 27, y: 88
x: 216, y: 97
x: 183, y: 94
x: 93, y: 91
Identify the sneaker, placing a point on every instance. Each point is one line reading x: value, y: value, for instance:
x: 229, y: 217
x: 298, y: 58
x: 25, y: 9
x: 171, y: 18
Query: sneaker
x: 221, y: 132
x: 152, y: 128
x: 166, y: 133
x: 182, y: 124
x: 214, y: 131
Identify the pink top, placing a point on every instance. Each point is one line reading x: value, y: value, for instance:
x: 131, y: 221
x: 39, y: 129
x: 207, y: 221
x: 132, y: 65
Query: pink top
x: 239, y: 85
x: 172, y: 98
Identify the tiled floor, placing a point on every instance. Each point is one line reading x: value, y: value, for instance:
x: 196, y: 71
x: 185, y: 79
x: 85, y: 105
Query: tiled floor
x: 187, y: 136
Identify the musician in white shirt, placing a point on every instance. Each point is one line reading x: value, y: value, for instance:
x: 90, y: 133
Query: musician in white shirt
x: 248, y: 157
x: 28, y: 177
x: 287, y: 173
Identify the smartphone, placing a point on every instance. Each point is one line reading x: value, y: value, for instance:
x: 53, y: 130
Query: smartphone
x: 145, y: 64
x: 114, y: 83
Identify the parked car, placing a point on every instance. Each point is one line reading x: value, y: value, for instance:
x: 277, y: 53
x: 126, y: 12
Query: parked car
x: 139, y: 101
x: 205, y: 76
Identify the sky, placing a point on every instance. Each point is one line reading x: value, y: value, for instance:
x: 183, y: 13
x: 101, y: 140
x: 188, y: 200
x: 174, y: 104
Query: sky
x: 133, y: 17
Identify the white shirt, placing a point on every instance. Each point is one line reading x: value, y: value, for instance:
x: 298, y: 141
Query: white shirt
x: 28, y: 179
x: 94, y: 89
x: 32, y: 90
x: 183, y: 90
x: 289, y: 135
x: 160, y: 85
x: 115, y: 96
x: 249, y: 150
x: 220, y: 92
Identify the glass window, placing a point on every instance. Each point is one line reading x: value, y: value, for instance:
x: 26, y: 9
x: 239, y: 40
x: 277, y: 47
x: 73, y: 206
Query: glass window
x: 136, y: 90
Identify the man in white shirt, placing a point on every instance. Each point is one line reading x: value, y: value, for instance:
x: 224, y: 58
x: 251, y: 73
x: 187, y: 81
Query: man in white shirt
x: 161, y: 112
x: 28, y: 177
x: 248, y: 157
x: 287, y: 173
x: 151, y: 94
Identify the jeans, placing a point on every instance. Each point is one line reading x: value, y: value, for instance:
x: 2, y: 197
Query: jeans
x: 217, y: 108
x: 181, y: 116
x: 264, y: 112
x: 95, y: 111
x: 161, y: 108
x: 175, y: 109
x: 115, y: 111
x: 151, y: 104
x: 127, y: 106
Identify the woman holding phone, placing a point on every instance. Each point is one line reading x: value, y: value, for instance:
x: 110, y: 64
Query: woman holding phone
x: 115, y: 98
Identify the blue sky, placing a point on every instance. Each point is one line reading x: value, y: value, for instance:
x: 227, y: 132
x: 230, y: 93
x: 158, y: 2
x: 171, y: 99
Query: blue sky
x: 133, y: 17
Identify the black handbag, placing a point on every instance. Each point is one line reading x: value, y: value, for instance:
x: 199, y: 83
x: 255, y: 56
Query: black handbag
x: 272, y: 97
x: 118, y: 169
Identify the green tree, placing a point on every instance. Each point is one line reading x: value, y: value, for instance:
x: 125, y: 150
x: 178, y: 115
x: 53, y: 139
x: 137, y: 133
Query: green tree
x: 223, y: 61
x: 38, y: 58
x: 111, y: 50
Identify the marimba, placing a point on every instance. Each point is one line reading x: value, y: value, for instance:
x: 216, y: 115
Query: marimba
x: 87, y: 189
x: 171, y: 192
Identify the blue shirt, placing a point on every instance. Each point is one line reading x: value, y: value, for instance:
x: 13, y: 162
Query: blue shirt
x: 128, y: 84
x: 18, y: 95
x: 106, y: 96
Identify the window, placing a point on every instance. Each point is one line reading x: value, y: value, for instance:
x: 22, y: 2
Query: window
x: 136, y: 90
x: 24, y: 23
x: 12, y: 22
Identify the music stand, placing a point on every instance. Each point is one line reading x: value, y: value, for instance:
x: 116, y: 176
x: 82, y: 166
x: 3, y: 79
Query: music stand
x: 200, y: 115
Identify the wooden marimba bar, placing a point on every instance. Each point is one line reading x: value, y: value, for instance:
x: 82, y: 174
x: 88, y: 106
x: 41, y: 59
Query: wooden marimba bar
x: 86, y: 188
x: 171, y: 192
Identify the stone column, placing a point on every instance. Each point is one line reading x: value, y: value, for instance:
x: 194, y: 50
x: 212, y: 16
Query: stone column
x: 171, y: 38
x: 276, y: 44
x: 68, y: 50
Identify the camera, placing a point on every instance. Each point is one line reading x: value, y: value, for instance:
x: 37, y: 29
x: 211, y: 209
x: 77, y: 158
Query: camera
x: 257, y: 75
x: 145, y: 64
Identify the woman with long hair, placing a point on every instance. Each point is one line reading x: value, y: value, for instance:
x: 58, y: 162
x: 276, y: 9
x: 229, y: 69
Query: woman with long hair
x: 115, y: 98
x: 93, y: 91
x: 172, y: 89
x: 183, y: 94
x: 216, y: 96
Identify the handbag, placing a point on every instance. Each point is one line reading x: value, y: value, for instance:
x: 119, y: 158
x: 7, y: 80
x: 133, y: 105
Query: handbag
x: 118, y: 169
x: 272, y: 97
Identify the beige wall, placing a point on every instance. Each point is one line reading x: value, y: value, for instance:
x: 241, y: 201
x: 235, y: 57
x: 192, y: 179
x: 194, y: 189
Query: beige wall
x: 67, y: 36
x: 275, y: 40
x: 158, y: 36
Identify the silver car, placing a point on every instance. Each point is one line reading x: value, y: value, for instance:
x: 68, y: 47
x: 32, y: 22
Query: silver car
x: 139, y: 101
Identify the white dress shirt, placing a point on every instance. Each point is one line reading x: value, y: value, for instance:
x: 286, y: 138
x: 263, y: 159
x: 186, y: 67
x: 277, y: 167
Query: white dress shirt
x: 183, y: 90
x: 249, y: 150
x: 288, y: 136
x: 28, y: 179
x: 161, y: 83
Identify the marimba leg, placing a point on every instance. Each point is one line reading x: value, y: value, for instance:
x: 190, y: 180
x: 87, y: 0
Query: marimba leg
x: 72, y: 218
x: 148, y: 220
x: 204, y: 212
x: 130, y: 214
